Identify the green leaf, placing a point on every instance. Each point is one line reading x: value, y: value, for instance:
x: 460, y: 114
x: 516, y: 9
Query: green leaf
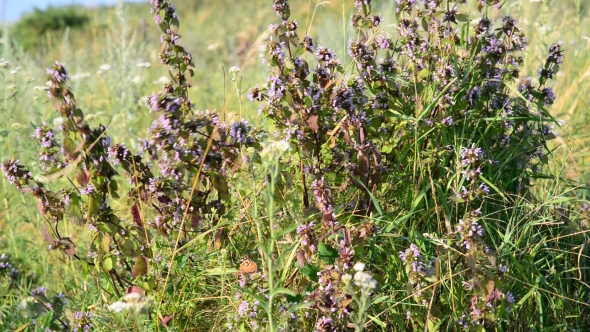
x: 108, y: 263
x: 327, y: 253
x: 127, y: 247
x: 93, y: 205
x: 69, y: 146
x: 493, y: 187
x: 74, y: 214
x: 309, y: 271
x: 220, y: 184
x: 282, y: 290
x: 386, y: 149
x: 113, y: 187
x: 149, y: 283
x: 103, y: 227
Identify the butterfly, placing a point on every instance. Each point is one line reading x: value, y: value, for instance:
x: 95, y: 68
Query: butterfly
x: 247, y: 266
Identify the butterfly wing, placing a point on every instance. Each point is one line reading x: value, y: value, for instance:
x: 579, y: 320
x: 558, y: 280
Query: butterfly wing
x: 247, y: 266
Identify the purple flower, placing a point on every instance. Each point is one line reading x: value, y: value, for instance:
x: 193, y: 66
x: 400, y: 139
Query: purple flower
x: 448, y: 121
x: 548, y: 96
x: 510, y: 297
x: 471, y: 155
x: 308, y: 43
x: 243, y: 308
x: 88, y: 190
x: 39, y: 291
x: 324, y: 54
x: 555, y: 54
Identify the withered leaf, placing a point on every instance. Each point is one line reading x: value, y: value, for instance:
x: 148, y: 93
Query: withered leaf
x: 301, y: 258
x: 347, y: 137
x: 83, y: 177
x: 470, y: 261
x: 344, y: 303
x: 141, y: 267
x: 67, y: 246
x: 312, y: 123
x: 45, y: 233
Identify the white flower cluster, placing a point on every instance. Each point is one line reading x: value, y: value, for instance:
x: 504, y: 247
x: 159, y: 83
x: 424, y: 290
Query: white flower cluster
x: 234, y: 72
x: 134, y: 303
x: 274, y: 150
x: 362, y: 279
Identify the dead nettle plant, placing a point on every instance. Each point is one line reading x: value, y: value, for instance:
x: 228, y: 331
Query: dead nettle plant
x: 431, y: 133
x: 181, y: 188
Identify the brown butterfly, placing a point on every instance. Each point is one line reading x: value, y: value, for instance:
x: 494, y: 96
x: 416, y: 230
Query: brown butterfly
x: 247, y: 266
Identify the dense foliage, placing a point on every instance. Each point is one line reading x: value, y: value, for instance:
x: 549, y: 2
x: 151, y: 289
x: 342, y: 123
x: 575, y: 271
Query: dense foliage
x: 34, y: 26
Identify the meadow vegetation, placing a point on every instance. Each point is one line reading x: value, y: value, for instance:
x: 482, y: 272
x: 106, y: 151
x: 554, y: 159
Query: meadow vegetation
x: 296, y: 165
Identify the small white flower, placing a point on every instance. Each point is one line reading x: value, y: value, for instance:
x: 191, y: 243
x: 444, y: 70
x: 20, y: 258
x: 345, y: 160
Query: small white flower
x: 4, y: 63
x: 136, y: 79
x: 359, y: 266
x: 144, y: 64
x: 105, y: 67
x: 162, y: 80
x: 119, y: 307
x: 234, y: 70
x: 274, y: 150
x: 132, y: 297
x: 346, y: 278
x: 15, y: 71
x: 79, y: 76
x: 58, y: 121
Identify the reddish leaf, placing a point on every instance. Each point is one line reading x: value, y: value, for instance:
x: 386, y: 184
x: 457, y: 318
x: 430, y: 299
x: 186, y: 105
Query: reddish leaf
x: 83, y: 177
x: 164, y: 199
x: 41, y: 206
x: 166, y: 320
x: 45, y: 233
x: 195, y: 220
x: 301, y: 258
x: 136, y: 215
x: 67, y: 246
x: 312, y: 123
x: 135, y: 289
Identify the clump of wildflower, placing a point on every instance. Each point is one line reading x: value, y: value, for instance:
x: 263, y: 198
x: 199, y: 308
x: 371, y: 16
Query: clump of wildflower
x: 239, y: 132
x: 585, y: 216
x: 16, y: 174
x: 49, y: 158
x: 282, y: 9
x: 308, y: 240
x: 416, y: 268
x: 6, y: 267
x: 274, y: 151
x: 39, y: 291
x: 82, y: 321
x: 363, y: 279
x: 480, y: 306
x: 470, y: 232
